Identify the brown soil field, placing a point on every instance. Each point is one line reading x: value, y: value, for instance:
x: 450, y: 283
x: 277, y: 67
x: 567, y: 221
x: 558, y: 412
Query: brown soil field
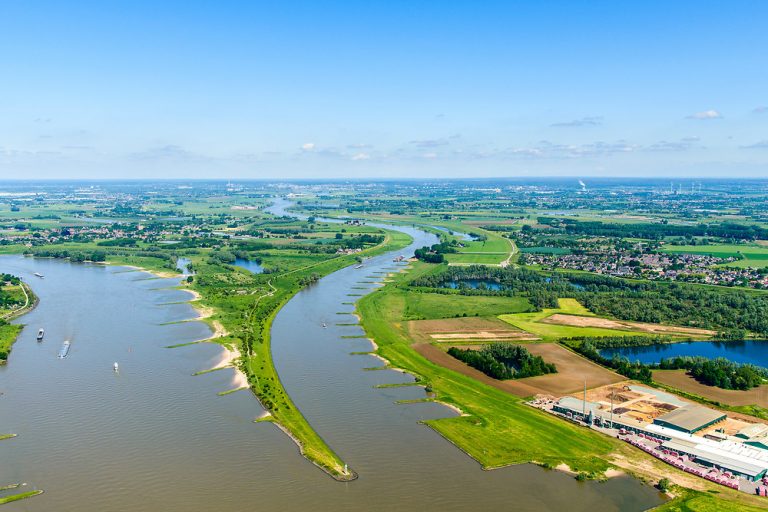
x: 591, y: 321
x: 572, y: 369
x: 454, y: 329
x: 678, y: 379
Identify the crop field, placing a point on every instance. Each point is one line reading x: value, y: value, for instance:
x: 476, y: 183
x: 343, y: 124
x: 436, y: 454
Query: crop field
x: 680, y: 380
x: 469, y: 329
x: 580, y: 321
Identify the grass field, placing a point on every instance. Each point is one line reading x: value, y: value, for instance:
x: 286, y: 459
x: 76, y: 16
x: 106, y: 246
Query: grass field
x: 750, y: 255
x: 420, y: 306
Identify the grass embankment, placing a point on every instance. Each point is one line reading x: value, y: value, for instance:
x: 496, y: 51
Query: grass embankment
x: 9, y: 332
x: 20, y: 496
x: 250, y: 330
x: 496, y: 429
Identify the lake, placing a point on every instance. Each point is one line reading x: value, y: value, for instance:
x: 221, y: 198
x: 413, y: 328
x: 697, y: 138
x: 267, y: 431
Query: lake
x: 249, y: 265
x: 751, y: 351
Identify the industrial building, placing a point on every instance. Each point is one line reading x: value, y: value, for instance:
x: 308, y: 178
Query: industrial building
x: 744, y: 455
x: 690, y: 419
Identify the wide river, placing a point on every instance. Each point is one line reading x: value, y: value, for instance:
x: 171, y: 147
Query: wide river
x: 154, y: 437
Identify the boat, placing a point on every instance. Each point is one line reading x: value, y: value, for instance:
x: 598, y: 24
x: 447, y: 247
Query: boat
x: 38, y: 274
x: 40, y: 334
x: 64, y: 350
x: 116, y: 368
x: 324, y: 326
x: 359, y: 266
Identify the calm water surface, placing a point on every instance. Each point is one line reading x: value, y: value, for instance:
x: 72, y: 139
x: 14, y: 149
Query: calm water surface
x: 751, y: 351
x: 251, y: 266
x: 153, y: 437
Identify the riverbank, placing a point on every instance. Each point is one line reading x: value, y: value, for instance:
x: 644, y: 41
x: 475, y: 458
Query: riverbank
x: 10, y: 332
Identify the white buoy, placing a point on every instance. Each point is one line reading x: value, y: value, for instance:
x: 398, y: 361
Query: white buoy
x: 115, y: 367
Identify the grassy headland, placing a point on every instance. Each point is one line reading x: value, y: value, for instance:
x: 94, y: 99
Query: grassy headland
x: 249, y: 321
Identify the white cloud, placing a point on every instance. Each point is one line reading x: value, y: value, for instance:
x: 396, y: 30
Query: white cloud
x: 361, y: 156
x: 707, y: 114
x: 308, y: 146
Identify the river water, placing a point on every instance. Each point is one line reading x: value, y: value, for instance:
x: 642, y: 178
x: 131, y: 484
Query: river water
x: 153, y: 437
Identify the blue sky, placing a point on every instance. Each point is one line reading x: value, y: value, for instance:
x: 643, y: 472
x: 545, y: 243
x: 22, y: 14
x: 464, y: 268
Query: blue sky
x: 383, y: 89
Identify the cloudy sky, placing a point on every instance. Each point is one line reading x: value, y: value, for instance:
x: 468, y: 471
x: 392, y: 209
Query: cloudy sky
x: 383, y: 89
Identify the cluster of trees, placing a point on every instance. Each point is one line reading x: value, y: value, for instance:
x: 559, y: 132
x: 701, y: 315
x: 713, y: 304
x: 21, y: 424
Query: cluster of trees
x: 358, y: 242
x: 10, y: 279
x: 504, y: 361
x: 8, y: 300
x: 307, y: 280
x: 77, y: 256
x: 728, y: 230
x: 718, y: 372
x: 436, y: 253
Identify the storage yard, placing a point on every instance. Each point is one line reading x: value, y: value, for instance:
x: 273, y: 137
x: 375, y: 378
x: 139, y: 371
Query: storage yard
x: 696, y: 439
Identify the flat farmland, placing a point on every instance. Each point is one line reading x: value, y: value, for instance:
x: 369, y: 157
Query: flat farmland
x: 593, y: 321
x: 470, y: 329
x: 680, y: 380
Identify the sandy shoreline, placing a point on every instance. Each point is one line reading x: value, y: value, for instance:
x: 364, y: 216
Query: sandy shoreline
x: 230, y: 356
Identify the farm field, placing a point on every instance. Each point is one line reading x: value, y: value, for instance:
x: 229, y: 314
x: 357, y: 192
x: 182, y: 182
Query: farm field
x: 465, y: 329
x: 680, y: 380
x: 580, y: 321
x: 533, y: 323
